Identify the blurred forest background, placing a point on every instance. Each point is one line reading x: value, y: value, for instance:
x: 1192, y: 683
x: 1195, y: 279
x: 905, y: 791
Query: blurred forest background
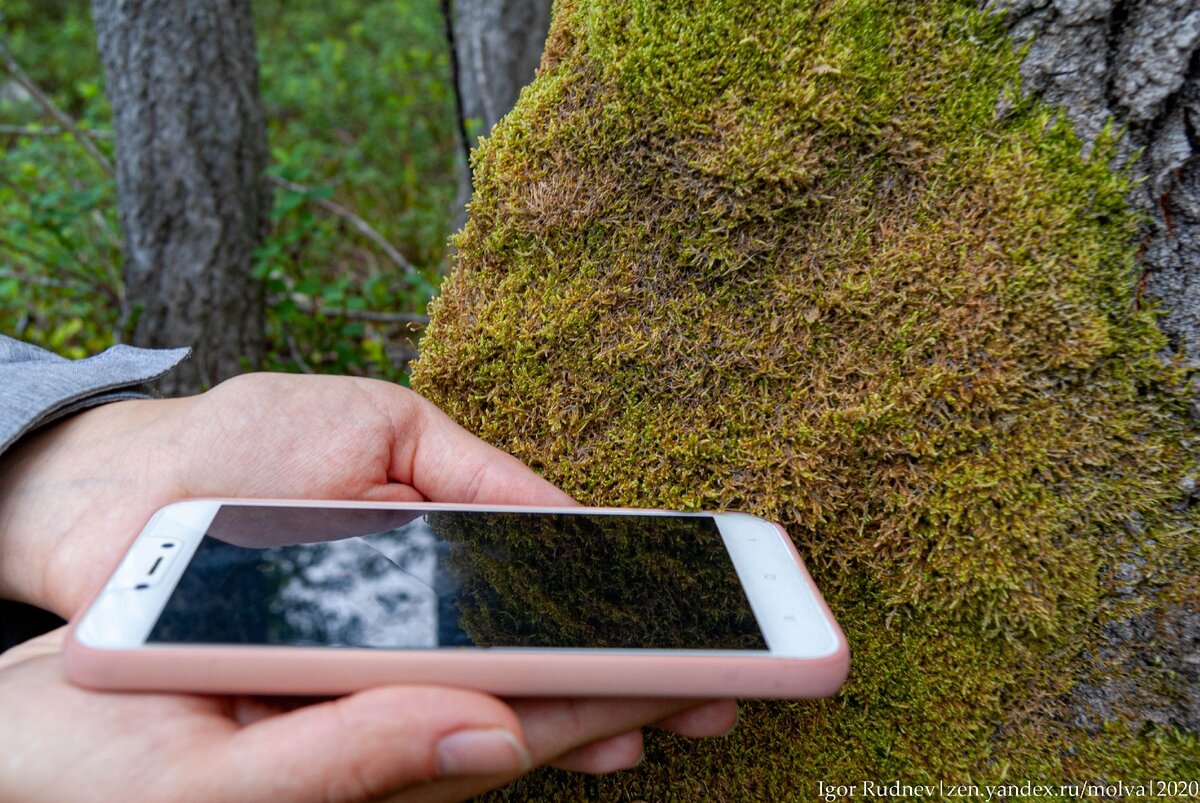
x: 361, y: 120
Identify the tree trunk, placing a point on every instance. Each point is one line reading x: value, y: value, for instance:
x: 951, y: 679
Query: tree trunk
x: 1136, y: 66
x: 1135, y: 63
x: 497, y: 45
x: 191, y: 150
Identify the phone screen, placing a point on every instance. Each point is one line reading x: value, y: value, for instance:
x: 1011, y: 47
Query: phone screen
x: 396, y: 579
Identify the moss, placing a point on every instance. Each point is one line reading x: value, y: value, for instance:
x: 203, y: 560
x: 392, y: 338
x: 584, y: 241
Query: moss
x: 786, y: 257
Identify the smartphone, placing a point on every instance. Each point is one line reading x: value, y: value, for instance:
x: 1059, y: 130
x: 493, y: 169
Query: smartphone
x: 321, y: 598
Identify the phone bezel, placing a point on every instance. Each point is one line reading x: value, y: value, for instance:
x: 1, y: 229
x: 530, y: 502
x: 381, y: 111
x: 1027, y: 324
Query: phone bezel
x: 108, y: 649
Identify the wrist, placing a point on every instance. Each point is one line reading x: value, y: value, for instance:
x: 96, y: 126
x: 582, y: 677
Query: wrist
x: 67, y: 502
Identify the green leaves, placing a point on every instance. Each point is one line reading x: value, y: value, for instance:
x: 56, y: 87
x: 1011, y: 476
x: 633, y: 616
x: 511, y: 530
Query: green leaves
x: 360, y: 117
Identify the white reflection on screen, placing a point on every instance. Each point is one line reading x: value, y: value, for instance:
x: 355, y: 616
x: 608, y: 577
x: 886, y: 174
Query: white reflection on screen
x: 375, y: 605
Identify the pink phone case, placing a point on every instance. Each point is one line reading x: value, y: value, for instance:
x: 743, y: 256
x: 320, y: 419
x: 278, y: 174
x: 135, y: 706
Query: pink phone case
x: 314, y: 671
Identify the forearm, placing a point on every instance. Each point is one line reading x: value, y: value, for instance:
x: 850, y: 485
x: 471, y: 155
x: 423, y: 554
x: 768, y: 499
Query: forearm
x: 46, y: 438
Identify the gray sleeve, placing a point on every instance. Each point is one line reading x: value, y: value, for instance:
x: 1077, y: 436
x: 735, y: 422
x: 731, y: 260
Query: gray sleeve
x: 37, y: 387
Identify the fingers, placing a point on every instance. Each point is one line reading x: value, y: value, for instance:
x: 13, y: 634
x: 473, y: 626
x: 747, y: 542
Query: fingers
x: 710, y: 719
x: 46, y: 644
x: 556, y: 728
x: 393, y: 492
x: 567, y: 731
x: 608, y: 755
x: 626, y: 750
x: 445, y: 463
x: 373, y: 743
x: 353, y: 438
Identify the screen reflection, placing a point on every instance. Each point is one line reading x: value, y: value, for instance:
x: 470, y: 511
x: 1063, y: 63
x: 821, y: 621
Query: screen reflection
x: 405, y: 580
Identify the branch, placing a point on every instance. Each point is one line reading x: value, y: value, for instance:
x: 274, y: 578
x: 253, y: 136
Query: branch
x: 42, y: 281
x: 308, y: 306
x: 354, y: 220
x: 50, y: 131
x: 35, y: 92
x: 294, y: 351
x: 77, y: 270
x: 378, y: 317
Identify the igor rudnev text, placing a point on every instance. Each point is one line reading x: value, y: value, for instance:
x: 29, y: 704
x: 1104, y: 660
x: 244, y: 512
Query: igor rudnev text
x: 941, y: 790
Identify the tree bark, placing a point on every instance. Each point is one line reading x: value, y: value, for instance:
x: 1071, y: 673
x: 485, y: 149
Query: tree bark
x: 1135, y: 63
x: 191, y: 153
x: 496, y: 46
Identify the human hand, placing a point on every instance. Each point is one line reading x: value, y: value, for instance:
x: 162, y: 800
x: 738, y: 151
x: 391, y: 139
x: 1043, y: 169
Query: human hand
x: 73, y: 496
x: 61, y: 742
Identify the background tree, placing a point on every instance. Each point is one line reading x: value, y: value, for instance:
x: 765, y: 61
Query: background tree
x: 366, y: 157
x: 191, y: 152
x: 496, y: 46
x: 826, y: 262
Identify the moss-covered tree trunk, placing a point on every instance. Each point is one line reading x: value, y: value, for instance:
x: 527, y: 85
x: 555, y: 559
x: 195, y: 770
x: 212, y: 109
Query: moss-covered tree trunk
x: 1136, y: 66
x: 832, y: 263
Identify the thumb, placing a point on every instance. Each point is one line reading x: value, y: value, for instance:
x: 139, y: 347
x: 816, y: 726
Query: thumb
x: 372, y: 743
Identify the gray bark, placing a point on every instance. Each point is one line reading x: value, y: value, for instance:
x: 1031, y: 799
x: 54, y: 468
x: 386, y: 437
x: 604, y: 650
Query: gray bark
x: 499, y: 44
x: 1136, y: 63
x: 191, y: 153
x: 497, y: 47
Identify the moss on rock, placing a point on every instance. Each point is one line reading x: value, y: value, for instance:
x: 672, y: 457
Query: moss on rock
x: 788, y: 258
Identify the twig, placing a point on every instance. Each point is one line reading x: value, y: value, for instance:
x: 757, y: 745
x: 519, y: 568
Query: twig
x: 307, y: 306
x: 102, y: 224
x: 354, y: 220
x: 51, y: 131
x: 83, y: 281
x: 88, y: 144
x: 41, y: 281
x: 24, y: 249
x: 294, y: 350
x: 377, y: 317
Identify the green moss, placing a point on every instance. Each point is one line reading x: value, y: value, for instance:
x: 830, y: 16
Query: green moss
x: 787, y: 258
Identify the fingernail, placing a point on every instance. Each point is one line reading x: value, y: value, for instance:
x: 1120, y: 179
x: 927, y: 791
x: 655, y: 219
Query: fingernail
x: 491, y: 751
